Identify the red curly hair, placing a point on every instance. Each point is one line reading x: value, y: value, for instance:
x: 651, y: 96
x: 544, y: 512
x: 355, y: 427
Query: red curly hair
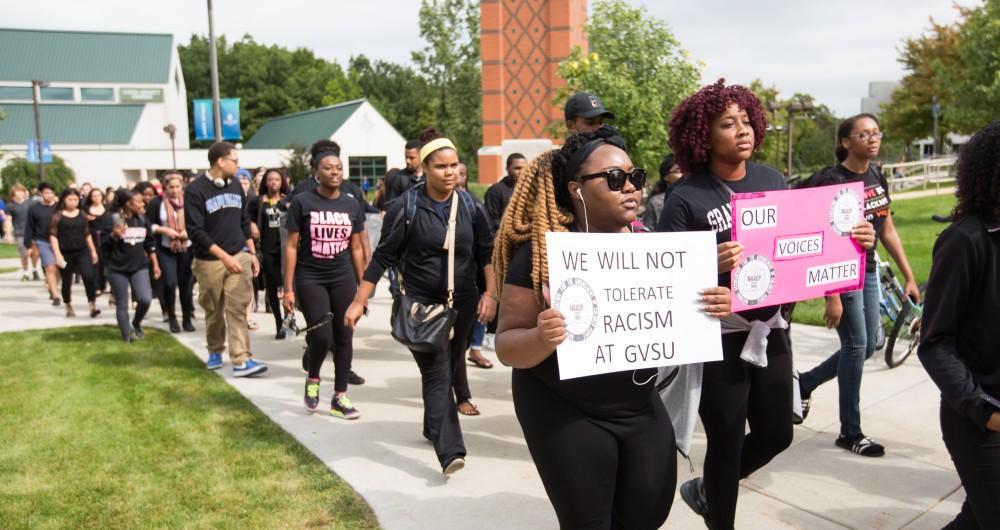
x: 692, y: 119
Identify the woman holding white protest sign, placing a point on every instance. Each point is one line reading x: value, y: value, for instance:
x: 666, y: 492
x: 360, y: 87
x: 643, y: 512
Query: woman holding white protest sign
x: 602, y: 444
x: 713, y: 134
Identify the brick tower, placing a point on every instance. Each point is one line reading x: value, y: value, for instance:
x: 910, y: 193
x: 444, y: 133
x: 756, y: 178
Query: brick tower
x: 522, y: 43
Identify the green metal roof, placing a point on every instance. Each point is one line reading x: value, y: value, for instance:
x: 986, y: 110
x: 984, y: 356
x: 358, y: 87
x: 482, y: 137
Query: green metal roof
x: 70, y: 124
x: 302, y: 128
x: 84, y: 56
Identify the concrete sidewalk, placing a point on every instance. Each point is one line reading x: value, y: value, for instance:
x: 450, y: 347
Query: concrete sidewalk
x: 813, y: 485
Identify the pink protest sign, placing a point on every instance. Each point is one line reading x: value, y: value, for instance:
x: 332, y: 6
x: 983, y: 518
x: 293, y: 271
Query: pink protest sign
x: 797, y: 244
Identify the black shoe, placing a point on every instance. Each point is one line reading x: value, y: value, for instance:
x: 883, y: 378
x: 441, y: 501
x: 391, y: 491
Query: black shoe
x: 137, y: 331
x: 280, y: 335
x: 55, y: 302
x: 693, y: 494
x: 186, y: 324
x: 861, y: 445
x: 355, y: 379
x: 806, y: 401
x: 174, y: 326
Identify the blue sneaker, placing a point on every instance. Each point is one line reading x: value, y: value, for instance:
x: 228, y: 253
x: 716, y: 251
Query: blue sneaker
x: 214, y: 361
x: 249, y: 367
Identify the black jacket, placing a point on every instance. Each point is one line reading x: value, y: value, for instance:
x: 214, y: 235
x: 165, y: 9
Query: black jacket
x: 399, y: 183
x: 418, y: 250
x: 960, y: 338
x: 496, y: 200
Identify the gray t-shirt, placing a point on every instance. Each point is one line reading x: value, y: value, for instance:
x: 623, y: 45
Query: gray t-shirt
x: 18, y: 213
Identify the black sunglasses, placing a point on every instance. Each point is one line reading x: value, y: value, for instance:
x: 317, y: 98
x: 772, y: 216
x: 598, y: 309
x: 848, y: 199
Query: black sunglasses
x: 616, y: 178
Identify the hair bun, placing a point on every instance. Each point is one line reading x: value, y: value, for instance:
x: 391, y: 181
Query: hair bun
x: 428, y: 135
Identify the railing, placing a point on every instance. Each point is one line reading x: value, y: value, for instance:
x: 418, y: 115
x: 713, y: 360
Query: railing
x: 909, y: 175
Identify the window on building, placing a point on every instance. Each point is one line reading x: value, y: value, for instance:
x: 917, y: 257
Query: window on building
x: 15, y: 92
x: 60, y: 93
x: 371, y: 168
x: 97, y: 94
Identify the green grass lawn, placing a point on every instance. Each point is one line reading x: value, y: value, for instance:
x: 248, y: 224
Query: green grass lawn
x: 918, y: 231
x: 97, y: 433
x: 8, y: 251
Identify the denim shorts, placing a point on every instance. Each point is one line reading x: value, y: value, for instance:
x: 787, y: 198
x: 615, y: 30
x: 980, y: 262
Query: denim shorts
x: 45, y: 253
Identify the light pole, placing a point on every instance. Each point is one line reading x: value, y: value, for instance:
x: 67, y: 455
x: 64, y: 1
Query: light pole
x: 172, y: 131
x: 793, y: 107
x: 935, y: 113
x: 36, y: 94
x: 214, y: 66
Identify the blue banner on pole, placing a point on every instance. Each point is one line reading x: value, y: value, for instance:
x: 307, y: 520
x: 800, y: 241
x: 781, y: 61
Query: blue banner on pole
x: 204, y: 120
x: 32, y: 152
x: 230, y: 118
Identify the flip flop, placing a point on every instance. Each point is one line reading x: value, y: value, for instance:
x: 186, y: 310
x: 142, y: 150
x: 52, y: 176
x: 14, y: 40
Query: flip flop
x: 481, y: 362
x: 473, y: 412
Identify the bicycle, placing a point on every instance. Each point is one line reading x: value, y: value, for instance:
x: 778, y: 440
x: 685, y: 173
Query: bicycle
x: 900, y: 317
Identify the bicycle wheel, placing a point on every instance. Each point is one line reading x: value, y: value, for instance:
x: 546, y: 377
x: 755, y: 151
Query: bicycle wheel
x: 907, y: 328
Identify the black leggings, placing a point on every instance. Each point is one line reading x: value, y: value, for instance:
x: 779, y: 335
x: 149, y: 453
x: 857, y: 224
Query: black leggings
x: 734, y: 393
x: 78, y: 262
x: 976, y: 454
x: 177, y: 276
x: 598, y: 472
x: 439, y: 374
x: 271, y: 267
x: 316, y: 301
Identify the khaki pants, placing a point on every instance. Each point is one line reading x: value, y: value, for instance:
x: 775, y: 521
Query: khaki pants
x: 225, y: 296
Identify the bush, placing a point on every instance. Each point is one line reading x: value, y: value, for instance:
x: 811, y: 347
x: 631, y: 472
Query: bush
x: 19, y: 170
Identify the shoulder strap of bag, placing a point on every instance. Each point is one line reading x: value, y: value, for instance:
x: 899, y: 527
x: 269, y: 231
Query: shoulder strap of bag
x: 449, y: 243
x: 409, y: 209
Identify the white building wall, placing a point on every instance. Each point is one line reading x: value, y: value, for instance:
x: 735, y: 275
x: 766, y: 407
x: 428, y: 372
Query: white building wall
x: 367, y: 133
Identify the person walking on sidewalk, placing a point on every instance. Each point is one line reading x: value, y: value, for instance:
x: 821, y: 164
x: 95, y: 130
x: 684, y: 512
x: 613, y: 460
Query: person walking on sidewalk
x: 856, y: 314
x: 69, y: 235
x: 324, y: 261
x: 215, y: 215
x: 416, y: 236
x: 269, y: 213
x: 959, y: 332
x: 130, y: 253
x: 17, y: 216
x: 36, y: 235
x: 99, y: 219
x: 173, y: 251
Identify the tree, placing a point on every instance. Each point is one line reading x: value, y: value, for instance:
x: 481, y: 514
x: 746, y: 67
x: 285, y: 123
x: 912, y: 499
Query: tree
x: 449, y: 63
x: 19, y: 170
x: 402, y: 95
x: 813, y: 132
x: 639, y: 70
x: 975, y: 100
x: 297, y: 164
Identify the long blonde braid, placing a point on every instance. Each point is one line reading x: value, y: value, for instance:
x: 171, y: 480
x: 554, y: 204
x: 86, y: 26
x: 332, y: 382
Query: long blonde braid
x: 531, y: 213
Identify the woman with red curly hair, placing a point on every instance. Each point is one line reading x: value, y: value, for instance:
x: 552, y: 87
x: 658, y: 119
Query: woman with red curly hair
x: 713, y: 134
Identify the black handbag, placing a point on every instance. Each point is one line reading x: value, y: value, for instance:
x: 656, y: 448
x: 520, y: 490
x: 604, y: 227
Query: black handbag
x: 429, y: 328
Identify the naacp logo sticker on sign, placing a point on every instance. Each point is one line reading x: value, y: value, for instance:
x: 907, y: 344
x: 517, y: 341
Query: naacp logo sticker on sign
x: 845, y: 211
x: 578, y: 304
x: 753, y: 279
x: 631, y: 301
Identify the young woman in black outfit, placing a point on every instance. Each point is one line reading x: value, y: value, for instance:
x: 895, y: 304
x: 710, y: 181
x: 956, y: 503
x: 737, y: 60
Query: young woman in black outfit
x: 413, y: 241
x: 713, y: 134
x: 603, y: 445
x: 324, y: 261
x: 959, y: 333
x: 166, y: 214
x: 130, y: 252
x: 267, y: 213
x: 100, y: 226
x: 69, y: 235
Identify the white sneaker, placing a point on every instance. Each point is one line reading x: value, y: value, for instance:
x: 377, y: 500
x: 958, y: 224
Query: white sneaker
x: 489, y: 342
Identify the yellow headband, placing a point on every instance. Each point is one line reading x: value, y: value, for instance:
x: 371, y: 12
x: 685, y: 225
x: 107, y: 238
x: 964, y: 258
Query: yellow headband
x: 434, y: 145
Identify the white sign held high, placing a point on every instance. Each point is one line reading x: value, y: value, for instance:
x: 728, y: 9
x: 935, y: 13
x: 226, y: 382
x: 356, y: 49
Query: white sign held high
x: 631, y: 300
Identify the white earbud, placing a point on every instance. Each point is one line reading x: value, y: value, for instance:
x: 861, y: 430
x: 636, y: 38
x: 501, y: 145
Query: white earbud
x: 579, y: 194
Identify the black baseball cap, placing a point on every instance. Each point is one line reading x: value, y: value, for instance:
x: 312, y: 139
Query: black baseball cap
x: 585, y: 105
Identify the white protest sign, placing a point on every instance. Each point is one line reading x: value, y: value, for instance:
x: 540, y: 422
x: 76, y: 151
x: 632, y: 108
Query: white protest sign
x: 631, y: 300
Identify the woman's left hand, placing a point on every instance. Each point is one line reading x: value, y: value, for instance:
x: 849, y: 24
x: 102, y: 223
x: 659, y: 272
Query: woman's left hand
x: 487, y: 308
x: 156, y: 272
x: 716, y: 301
x: 93, y: 258
x: 864, y: 234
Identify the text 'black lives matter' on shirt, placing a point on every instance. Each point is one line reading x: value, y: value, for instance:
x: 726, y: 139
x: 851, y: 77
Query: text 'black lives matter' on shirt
x: 876, y: 202
x: 129, y: 254
x: 216, y: 216
x: 325, y: 227
x: 701, y: 203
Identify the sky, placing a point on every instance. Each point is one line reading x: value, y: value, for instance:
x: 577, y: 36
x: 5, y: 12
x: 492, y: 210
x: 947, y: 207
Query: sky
x: 830, y: 49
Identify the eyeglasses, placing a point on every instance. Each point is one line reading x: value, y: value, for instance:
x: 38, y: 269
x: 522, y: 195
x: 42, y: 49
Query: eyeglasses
x: 233, y: 160
x: 865, y: 136
x: 616, y: 178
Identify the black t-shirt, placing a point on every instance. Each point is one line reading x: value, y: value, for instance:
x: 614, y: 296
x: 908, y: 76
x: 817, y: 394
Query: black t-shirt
x: 268, y: 217
x: 700, y: 203
x: 129, y: 254
x: 325, y: 227
x: 71, y: 232
x: 605, y: 395
x: 876, y: 202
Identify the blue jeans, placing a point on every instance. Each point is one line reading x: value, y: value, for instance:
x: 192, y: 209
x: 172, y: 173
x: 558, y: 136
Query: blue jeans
x: 857, y: 343
x: 476, y: 339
